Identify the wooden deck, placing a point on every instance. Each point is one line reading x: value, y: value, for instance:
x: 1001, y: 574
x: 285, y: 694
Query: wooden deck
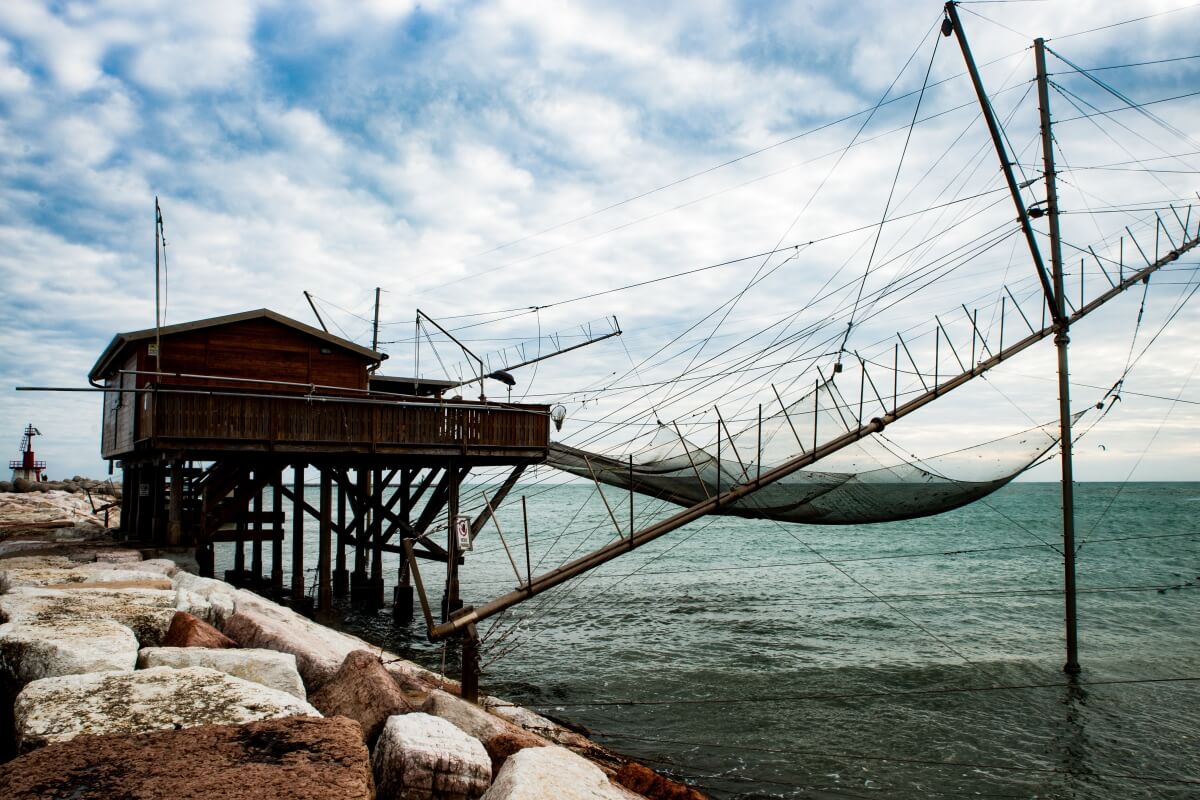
x: 212, y: 424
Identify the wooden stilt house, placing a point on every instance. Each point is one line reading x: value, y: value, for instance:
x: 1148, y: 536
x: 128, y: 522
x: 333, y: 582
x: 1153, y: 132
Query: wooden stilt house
x: 208, y: 418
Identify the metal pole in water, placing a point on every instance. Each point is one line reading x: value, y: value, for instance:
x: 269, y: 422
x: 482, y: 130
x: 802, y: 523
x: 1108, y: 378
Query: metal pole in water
x: 1061, y: 340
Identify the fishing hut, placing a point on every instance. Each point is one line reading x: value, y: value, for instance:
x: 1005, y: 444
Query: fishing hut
x: 219, y: 424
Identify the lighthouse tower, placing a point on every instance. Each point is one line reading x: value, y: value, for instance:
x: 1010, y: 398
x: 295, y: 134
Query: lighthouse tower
x: 28, y: 467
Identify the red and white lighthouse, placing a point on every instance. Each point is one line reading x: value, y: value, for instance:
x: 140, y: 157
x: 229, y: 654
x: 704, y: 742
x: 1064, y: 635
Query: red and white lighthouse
x: 28, y: 467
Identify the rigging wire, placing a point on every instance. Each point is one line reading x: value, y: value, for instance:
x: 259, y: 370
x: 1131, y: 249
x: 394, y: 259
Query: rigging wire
x: 891, y: 191
x: 858, y: 695
x: 934, y: 763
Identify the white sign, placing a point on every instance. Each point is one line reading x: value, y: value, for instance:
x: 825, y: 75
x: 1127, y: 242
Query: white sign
x: 462, y: 533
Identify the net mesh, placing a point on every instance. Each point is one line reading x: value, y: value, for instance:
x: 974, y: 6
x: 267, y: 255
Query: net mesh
x: 868, y: 481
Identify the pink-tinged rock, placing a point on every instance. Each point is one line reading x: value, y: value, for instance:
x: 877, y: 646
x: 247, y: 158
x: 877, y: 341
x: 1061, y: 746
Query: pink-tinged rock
x: 364, y: 691
x: 552, y: 731
x: 59, y: 709
x: 419, y: 757
x: 319, y: 651
x: 190, y: 631
x: 499, y: 736
x: 297, y: 758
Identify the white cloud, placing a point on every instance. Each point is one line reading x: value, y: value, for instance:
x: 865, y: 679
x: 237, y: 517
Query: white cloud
x: 454, y: 154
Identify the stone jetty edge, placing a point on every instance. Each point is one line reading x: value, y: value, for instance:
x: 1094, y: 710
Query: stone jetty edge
x: 106, y: 653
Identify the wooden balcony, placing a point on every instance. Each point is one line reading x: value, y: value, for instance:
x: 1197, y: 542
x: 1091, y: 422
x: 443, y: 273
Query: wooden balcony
x: 209, y: 425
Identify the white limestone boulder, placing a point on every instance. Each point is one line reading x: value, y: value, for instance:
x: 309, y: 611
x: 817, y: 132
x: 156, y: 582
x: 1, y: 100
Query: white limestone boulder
x: 268, y: 667
x: 196, y: 605
x: 35, y: 562
x: 552, y: 773
x: 85, y: 574
x: 118, y: 556
x: 421, y: 757
x: 163, y: 566
x: 148, y: 612
x: 31, y: 650
x: 499, y: 737
x: 218, y: 594
x: 59, y: 709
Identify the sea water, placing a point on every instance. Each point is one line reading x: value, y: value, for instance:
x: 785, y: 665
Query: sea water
x: 920, y: 658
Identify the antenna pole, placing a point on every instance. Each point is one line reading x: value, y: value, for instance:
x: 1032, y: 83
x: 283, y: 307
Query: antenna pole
x: 157, y: 291
x: 998, y: 140
x: 375, y: 325
x: 316, y: 313
x: 1061, y: 340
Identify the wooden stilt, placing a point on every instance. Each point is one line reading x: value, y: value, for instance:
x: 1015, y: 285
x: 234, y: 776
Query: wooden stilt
x: 375, y: 584
x: 277, y: 542
x: 324, y: 573
x: 358, y: 577
x: 453, y: 599
x: 341, y: 577
x: 239, y: 552
x: 175, y: 517
x: 298, y: 596
x: 402, y: 594
x: 256, y: 550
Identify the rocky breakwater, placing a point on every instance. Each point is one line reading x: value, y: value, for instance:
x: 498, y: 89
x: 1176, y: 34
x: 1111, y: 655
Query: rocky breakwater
x: 133, y: 678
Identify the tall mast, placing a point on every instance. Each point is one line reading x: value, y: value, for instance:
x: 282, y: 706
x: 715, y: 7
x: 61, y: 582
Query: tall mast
x: 1061, y: 340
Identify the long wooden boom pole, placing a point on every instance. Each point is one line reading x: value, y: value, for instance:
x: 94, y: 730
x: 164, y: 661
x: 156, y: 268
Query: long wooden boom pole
x: 618, y: 548
x: 989, y: 117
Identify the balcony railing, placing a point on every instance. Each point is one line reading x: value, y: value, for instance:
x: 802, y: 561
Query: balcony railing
x: 182, y: 419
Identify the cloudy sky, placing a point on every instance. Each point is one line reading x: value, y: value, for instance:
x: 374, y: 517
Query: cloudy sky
x: 476, y: 160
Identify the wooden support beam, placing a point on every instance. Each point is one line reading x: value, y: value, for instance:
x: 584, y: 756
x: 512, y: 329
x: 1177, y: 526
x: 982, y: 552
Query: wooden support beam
x: 497, y: 499
x: 277, y: 543
x: 324, y: 572
x: 341, y: 579
x: 175, y: 517
x: 298, y: 532
x: 234, y: 535
x: 256, y: 551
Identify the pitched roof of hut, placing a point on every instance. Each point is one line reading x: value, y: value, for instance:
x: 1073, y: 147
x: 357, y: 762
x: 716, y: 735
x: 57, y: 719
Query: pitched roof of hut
x: 111, y: 354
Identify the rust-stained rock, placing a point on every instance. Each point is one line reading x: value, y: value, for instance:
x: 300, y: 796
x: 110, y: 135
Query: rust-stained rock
x: 499, y: 736
x: 419, y: 757
x: 188, y: 630
x: 653, y: 786
x: 59, y: 709
x: 362, y: 690
x: 298, y: 758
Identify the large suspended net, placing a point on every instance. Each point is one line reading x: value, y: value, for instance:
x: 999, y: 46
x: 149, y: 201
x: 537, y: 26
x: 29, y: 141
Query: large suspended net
x: 867, y: 481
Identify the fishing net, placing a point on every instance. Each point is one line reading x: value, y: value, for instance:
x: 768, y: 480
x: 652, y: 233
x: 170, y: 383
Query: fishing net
x: 870, y: 480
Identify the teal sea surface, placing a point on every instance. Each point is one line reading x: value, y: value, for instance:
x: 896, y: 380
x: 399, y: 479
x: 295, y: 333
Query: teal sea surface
x: 910, y: 659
